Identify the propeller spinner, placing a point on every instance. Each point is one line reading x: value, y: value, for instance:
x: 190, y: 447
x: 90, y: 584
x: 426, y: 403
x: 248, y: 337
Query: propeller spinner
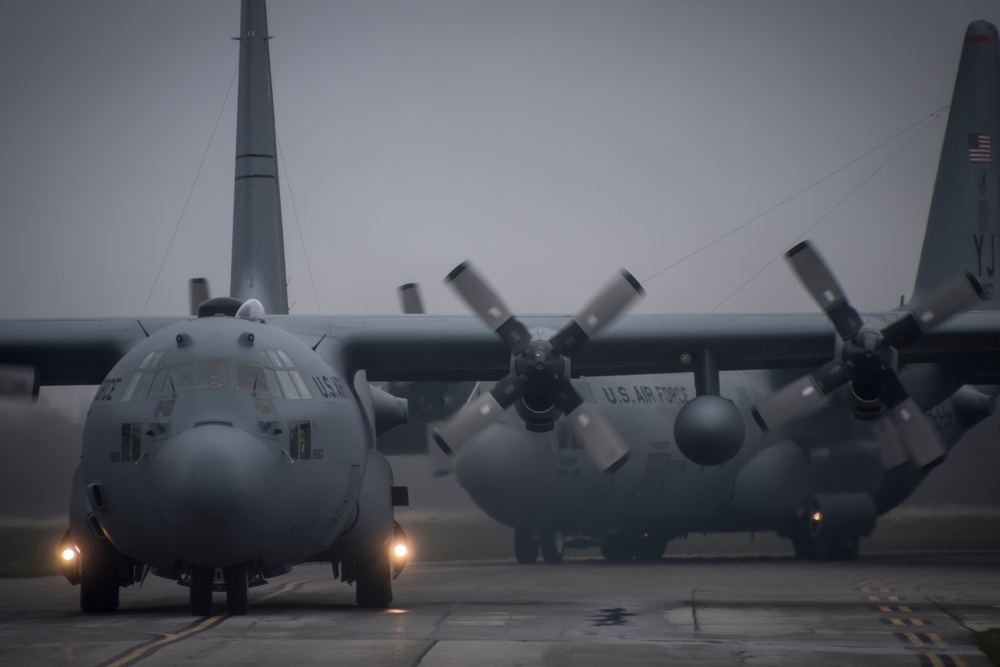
x: 868, y: 358
x: 540, y: 369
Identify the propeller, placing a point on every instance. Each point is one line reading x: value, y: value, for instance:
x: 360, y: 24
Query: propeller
x: 868, y: 359
x: 198, y: 293
x: 410, y: 300
x: 540, y: 369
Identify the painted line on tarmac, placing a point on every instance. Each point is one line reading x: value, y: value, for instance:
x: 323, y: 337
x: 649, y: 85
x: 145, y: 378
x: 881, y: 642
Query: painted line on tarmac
x: 143, y: 651
x: 931, y: 650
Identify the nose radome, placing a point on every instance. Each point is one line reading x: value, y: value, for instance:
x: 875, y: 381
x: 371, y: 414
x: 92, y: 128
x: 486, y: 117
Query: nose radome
x: 215, y: 481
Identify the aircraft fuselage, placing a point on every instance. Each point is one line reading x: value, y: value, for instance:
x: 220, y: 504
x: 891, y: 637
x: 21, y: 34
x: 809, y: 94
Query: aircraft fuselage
x: 219, y: 442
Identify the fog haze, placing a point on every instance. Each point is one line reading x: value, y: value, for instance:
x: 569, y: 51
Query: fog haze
x: 549, y: 142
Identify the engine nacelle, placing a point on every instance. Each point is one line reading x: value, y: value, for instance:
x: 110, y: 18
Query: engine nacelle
x: 709, y: 430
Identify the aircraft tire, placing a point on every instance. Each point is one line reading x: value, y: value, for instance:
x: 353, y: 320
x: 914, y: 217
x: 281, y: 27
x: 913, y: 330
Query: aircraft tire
x: 525, y: 546
x: 98, y: 588
x: 201, y: 590
x: 374, y: 583
x: 553, y: 545
x: 237, y: 587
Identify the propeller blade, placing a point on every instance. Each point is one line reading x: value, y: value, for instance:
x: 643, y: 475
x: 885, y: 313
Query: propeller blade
x: 198, y: 293
x: 477, y: 414
x: 890, y: 447
x: 819, y: 280
x: 486, y: 303
x: 916, y: 434
x: 955, y: 296
x: 599, y: 439
x: 600, y: 311
x: 801, y: 397
x: 409, y: 299
x: 602, y: 443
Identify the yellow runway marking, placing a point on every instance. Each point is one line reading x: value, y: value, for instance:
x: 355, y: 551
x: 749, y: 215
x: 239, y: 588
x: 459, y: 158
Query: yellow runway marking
x: 898, y: 609
x: 168, y: 638
x: 281, y: 591
x: 143, y: 650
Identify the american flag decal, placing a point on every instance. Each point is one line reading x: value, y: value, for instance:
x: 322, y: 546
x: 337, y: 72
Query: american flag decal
x: 979, y: 148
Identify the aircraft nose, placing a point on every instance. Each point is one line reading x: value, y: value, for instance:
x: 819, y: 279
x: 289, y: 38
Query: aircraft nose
x: 214, y: 480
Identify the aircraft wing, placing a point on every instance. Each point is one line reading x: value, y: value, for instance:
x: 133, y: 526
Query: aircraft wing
x: 446, y: 348
x: 453, y: 348
x: 68, y: 351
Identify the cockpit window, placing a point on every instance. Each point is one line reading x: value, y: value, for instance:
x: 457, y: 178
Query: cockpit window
x: 252, y: 310
x: 250, y: 377
x: 140, y: 383
x: 278, y: 359
x: 178, y: 378
x: 213, y: 375
x: 152, y: 360
x: 258, y: 380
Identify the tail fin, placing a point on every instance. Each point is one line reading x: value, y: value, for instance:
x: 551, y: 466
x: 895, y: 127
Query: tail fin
x: 258, y: 260
x: 964, y: 222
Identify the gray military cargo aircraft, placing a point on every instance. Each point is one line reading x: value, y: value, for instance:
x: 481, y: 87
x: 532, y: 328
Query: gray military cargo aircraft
x: 224, y: 449
x: 822, y: 481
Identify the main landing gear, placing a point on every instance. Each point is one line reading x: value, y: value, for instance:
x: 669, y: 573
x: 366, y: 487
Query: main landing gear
x: 642, y: 546
x: 528, y: 542
x: 236, y: 583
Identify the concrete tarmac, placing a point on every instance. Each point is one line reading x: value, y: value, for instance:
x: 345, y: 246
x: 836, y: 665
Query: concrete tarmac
x: 882, y: 610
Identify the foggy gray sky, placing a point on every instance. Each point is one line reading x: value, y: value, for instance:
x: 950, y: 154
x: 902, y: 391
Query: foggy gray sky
x: 550, y: 142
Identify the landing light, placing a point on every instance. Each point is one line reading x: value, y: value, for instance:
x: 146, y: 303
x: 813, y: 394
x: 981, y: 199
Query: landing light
x: 400, y: 550
x: 817, y: 516
x: 69, y: 554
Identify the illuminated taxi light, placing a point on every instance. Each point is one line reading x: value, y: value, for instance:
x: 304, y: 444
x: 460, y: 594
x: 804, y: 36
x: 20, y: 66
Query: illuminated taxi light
x: 69, y: 553
x: 400, y: 550
x: 817, y: 516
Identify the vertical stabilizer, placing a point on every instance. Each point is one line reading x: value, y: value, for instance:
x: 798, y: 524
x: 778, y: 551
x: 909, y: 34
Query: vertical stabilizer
x: 258, y: 262
x: 964, y: 220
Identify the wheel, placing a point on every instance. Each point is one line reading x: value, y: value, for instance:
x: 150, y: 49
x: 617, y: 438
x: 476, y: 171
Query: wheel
x: 201, y: 579
x: 525, y: 546
x: 237, y: 587
x: 98, y: 587
x: 374, y: 584
x: 553, y: 545
x: 650, y: 547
